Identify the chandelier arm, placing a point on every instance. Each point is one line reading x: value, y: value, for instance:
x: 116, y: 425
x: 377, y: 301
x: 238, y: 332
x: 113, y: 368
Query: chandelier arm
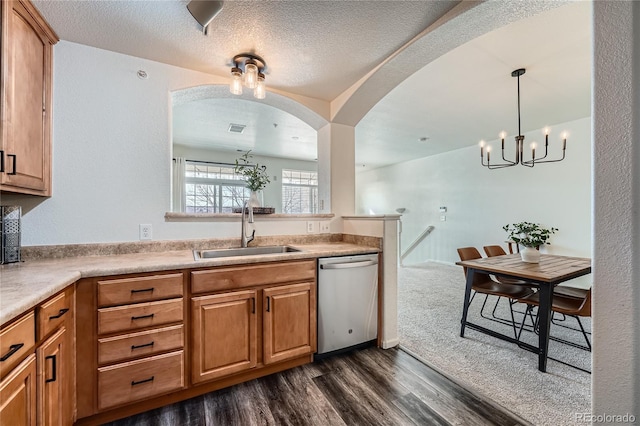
x: 552, y: 161
x: 513, y: 163
x: 496, y: 166
x: 499, y: 166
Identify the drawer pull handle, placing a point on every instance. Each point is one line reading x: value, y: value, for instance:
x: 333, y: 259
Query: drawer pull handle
x: 15, y: 164
x: 150, y: 379
x: 1, y: 161
x: 142, y: 290
x: 268, y: 303
x: 60, y: 313
x: 54, y: 368
x: 141, y: 346
x: 12, y: 350
x: 142, y: 317
x: 253, y: 305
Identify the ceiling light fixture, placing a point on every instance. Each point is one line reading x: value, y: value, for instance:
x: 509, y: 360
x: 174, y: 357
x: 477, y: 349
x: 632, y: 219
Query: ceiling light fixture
x: 520, y: 143
x: 248, y: 70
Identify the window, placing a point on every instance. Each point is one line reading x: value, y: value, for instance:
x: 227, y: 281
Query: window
x: 213, y: 188
x: 299, y: 191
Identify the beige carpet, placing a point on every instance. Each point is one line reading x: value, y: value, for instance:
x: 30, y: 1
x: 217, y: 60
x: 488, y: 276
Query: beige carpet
x: 430, y: 297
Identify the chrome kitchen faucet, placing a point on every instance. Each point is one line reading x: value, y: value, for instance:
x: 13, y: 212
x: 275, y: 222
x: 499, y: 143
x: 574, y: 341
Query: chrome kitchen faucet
x: 244, y: 239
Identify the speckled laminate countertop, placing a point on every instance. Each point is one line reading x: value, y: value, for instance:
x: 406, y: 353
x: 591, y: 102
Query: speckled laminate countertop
x: 24, y: 285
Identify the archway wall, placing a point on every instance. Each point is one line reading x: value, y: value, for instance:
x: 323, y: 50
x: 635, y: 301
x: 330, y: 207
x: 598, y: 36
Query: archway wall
x: 616, y: 211
x: 461, y: 24
x: 312, y: 111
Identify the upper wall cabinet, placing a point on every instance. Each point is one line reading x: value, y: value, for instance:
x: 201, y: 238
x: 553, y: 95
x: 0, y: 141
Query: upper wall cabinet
x: 27, y: 51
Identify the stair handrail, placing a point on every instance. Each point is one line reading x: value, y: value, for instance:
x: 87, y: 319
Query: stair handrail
x: 417, y: 241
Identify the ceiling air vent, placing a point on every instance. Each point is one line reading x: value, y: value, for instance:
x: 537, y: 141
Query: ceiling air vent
x: 236, y: 128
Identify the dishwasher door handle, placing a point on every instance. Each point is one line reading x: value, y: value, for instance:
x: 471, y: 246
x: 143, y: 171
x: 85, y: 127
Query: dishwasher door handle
x: 348, y: 265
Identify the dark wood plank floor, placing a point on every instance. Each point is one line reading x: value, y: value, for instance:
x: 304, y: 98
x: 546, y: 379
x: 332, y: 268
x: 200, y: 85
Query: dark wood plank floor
x: 365, y: 387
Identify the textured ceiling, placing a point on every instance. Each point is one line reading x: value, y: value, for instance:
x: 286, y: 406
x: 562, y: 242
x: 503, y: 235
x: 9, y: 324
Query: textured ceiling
x: 321, y: 48
x: 312, y: 48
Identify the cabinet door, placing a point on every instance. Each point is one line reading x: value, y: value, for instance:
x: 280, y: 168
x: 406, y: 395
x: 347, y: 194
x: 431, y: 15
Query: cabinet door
x: 224, y: 334
x: 289, y: 321
x: 18, y: 395
x: 26, y: 98
x: 53, y: 380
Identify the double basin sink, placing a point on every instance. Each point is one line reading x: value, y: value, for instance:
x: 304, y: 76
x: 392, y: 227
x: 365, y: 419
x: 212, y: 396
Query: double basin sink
x: 241, y: 251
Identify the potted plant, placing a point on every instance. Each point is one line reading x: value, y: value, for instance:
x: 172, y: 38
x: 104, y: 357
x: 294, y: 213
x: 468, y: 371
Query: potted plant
x: 256, y: 175
x: 531, y: 236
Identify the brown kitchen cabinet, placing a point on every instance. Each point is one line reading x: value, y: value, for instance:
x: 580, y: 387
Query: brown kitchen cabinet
x: 224, y: 339
x: 150, y: 339
x: 289, y: 324
x: 132, y: 333
x: 18, y: 395
x: 53, y: 374
x: 280, y: 304
x: 37, y: 365
x: 55, y: 359
x: 25, y: 91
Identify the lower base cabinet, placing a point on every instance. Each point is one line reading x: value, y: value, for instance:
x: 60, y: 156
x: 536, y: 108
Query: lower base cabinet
x: 289, y: 321
x: 18, y: 395
x: 224, y: 334
x: 225, y: 340
x: 54, y: 385
x: 239, y: 322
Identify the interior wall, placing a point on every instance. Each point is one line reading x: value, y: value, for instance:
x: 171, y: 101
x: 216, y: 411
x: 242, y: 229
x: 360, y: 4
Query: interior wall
x: 273, y: 191
x: 479, y: 202
x: 616, y: 254
x: 112, y: 154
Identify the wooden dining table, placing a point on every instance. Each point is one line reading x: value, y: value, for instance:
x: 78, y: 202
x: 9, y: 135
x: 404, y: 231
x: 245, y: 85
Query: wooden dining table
x: 551, y: 271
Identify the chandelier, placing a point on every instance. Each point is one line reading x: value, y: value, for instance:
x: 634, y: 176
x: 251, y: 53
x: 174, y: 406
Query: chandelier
x: 519, y: 158
x: 248, y: 70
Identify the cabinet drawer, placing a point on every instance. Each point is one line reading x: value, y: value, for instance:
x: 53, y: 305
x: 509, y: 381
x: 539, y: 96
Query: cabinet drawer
x: 131, y: 381
x: 140, y: 315
x: 53, y: 313
x: 139, y: 289
x: 142, y: 343
x: 16, y: 341
x: 252, y: 275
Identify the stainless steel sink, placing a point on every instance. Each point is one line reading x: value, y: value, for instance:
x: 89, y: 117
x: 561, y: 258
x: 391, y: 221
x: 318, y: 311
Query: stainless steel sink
x: 241, y: 251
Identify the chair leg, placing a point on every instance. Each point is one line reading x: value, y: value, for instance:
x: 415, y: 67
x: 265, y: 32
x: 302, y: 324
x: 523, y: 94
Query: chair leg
x: 524, y: 317
x: 584, y: 333
x: 486, y: 297
x: 513, y: 320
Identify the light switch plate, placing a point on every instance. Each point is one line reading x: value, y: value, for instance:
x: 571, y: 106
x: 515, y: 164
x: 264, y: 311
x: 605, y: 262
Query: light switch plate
x: 443, y: 218
x: 311, y: 227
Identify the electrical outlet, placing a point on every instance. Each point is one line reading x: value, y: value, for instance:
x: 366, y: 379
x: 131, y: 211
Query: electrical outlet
x: 324, y: 227
x: 311, y: 227
x: 146, y: 231
x: 443, y: 218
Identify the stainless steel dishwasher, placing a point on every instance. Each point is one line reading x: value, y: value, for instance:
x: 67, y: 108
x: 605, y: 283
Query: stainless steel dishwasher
x: 347, y: 302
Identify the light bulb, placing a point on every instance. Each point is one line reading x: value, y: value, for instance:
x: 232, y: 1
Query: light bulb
x: 236, y: 83
x: 546, y: 131
x: 250, y: 74
x: 503, y: 135
x: 482, y: 143
x: 260, y: 91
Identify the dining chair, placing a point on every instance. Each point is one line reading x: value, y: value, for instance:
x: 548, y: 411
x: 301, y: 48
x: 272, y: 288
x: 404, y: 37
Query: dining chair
x: 571, y: 306
x: 482, y: 283
x: 497, y: 250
